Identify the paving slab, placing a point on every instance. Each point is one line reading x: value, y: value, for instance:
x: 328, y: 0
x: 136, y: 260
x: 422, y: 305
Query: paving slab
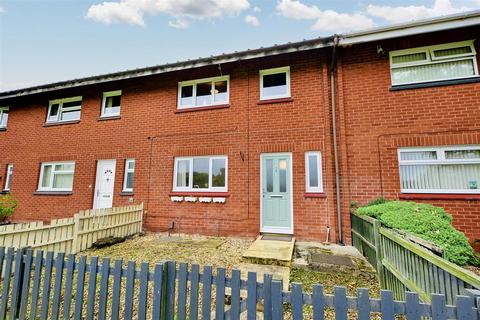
x: 270, y: 252
x: 278, y: 272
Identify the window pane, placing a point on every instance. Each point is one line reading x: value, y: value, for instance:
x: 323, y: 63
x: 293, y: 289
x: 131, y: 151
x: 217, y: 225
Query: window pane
x: 186, y: 98
x: 221, y: 94
x: 413, y: 57
x: 204, y: 93
x: 53, y: 111
x: 218, y: 172
x: 72, y: 104
x: 47, y: 173
x: 70, y: 115
x: 282, y: 175
x: 129, y: 182
x: 269, y: 168
x: 64, y: 167
x: 418, y: 155
x: 3, y: 118
x: 452, y: 51
x: 313, y: 170
x: 462, y: 154
x: 275, y: 84
x: 440, y: 177
x: 112, y: 105
x: 63, y: 181
x: 183, y: 173
x: 200, y: 173
x: 131, y: 165
x: 436, y: 71
x: 8, y: 180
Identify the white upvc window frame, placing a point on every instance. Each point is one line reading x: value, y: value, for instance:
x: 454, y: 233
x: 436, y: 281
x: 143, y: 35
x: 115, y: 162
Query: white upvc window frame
x: 440, y: 151
x: 2, y: 110
x: 50, y: 184
x: 61, y: 102
x: 194, y: 83
x: 190, y: 188
x: 106, y: 95
x: 265, y: 72
x: 127, y: 171
x: 308, y: 188
x: 8, y: 177
x: 431, y: 59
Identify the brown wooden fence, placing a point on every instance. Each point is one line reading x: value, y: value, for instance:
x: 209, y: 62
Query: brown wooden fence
x: 71, y: 235
x: 403, y: 265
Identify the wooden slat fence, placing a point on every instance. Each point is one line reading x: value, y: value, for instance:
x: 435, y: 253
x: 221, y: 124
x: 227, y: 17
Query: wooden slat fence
x: 46, y: 286
x: 75, y: 234
x: 403, y: 265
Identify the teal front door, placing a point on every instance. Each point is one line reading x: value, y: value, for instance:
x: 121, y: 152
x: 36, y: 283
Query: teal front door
x: 276, y: 193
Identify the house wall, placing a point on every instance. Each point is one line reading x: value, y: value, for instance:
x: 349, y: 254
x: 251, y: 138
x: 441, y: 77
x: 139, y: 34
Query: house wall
x: 377, y: 121
x: 151, y: 131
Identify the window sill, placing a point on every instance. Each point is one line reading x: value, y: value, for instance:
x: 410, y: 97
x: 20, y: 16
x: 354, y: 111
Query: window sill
x: 439, y: 196
x: 5, y: 192
x: 315, y: 195
x: 434, y: 84
x: 105, y: 118
x: 53, y: 193
x: 198, y: 194
x: 192, y: 109
x: 126, y: 193
x: 60, y: 123
x: 271, y: 101
x: 3, y: 129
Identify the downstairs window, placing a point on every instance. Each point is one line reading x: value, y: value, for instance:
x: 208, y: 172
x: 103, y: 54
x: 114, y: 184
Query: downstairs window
x: 56, y: 176
x: 200, y: 174
x: 452, y: 169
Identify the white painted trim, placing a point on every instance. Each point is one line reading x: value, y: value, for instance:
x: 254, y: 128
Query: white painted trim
x: 265, y: 72
x: 8, y: 177
x: 276, y: 229
x: 194, y: 83
x: 104, y: 99
x: 125, y: 174
x: 308, y: 188
x: 431, y: 59
x: 441, y: 159
x: 60, y: 103
x: 53, y: 173
x: 190, y: 179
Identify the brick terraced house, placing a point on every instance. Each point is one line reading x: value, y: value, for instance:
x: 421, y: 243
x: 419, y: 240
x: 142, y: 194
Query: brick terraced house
x: 274, y: 140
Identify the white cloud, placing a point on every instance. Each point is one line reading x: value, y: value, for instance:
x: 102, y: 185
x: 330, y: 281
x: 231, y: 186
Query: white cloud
x: 325, y: 20
x: 133, y: 11
x: 257, y: 9
x: 407, y: 13
x: 252, y: 20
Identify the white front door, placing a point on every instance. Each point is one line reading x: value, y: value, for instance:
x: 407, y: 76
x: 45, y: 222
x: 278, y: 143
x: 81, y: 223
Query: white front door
x: 105, y: 181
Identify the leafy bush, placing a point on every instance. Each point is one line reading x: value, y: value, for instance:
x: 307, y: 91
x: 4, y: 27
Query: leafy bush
x: 7, y: 206
x: 427, y: 222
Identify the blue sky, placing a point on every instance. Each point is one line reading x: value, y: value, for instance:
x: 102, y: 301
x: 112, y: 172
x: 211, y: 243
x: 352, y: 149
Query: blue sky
x: 43, y: 41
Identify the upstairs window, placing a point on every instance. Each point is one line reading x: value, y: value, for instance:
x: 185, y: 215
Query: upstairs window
x: 63, y: 110
x: 434, y: 63
x: 203, y: 92
x: 3, y: 117
x: 200, y: 174
x: 111, y: 104
x: 8, y: 179
x: 56, y: 176
x: 313, y: 172
x: 275, y: 83
x: 452, y: 169
x: 129, y: 175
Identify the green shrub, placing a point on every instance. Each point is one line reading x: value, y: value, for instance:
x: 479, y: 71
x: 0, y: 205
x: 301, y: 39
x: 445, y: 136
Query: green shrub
x: 427, y: 222
x: 7, y: 206
x: 377, y: 201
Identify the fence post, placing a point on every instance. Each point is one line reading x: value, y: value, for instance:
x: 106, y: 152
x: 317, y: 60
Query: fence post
x: 76, y: 228
x: 475, y: 294
x: 379, y: 252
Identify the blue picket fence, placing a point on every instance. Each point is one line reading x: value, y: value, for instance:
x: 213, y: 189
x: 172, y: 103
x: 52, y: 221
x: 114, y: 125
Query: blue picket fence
x: 48, y: 286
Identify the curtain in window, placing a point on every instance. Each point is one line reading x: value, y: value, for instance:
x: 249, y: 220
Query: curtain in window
x: 440, y: 177
x: 63, y: 181
x: 183, y: 168
x: 435, y: 71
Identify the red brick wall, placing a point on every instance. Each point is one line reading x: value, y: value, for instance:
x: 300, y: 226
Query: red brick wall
x: 377, y: 121
x: 148, y: 110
